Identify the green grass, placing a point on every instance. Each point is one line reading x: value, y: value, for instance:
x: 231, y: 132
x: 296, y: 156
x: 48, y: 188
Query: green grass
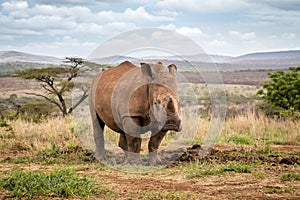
x: 236, y: 139
x: 260, y: 175
x: 265, y: 150
x: 55, y: 154
x: 290, y: 176
x: 278, y: 190
x: 239, y: 167
x: 197, y: 169
x: 59, y: 183
x: 164, y: 195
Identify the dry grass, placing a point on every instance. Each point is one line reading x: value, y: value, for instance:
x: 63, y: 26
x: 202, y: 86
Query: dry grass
x: 29, y: 136
x: 246, y: 129
x: 262, y: 130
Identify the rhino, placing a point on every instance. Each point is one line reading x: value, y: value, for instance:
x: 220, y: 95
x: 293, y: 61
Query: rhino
x: 131, y: 101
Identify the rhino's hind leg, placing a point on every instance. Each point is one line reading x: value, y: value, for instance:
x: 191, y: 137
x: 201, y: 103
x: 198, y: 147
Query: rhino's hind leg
x: 153, y: 146
x: 98, y: 126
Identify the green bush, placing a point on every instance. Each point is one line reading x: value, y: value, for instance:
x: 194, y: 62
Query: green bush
x: 282, y: 93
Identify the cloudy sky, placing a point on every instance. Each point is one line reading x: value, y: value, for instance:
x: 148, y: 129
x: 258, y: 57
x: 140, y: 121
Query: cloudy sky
x: 76, y: 27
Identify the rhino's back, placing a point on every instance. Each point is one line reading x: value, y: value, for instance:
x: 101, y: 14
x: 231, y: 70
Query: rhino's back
x: 104, y: 87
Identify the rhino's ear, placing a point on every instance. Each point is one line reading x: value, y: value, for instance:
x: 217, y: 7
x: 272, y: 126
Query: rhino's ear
x: 172, y: 69
x: 147, y: 70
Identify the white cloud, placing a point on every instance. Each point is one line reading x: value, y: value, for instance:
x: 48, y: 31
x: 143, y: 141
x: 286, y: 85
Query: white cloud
x: 132, y: 15
x: 289, y: 5
x: 220, y: 26
x: 46, y: 23
x: 15, y: 8
x: 14, y: 5
x: 166, y: 12
x: 193, y: 32
x: 171, y: 27
x: 65, y: 46
x: 242, y: 36
x: 148, y: 40
x: 204, y: 6
x: 61, y: 20
x: 288, y: 36
x: 189, y: 31
x: 7, y: 38
x: 73, y: 2
x: 141, y: 14
x: 218, y: 43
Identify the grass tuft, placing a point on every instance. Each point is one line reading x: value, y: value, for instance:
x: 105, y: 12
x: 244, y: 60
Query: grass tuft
x: 234, y: 166
x: 278, y: 190
x: 164, y: 195
x: 236, y: 139
x: 290, y: 176
x: 197, y: 169
x: 260, y: 175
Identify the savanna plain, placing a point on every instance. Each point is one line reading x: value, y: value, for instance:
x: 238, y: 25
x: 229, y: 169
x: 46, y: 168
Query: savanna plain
x: 254, y: 157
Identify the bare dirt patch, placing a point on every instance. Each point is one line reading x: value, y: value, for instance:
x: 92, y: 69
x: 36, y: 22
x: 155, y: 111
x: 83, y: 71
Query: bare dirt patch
x: 263, y: 182
x: 226, y: 186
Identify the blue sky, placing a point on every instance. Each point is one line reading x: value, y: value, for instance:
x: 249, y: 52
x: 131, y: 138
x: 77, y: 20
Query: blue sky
x: 76, y: 27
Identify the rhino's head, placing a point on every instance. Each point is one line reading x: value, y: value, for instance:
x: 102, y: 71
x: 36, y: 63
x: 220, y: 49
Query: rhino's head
x: 163, y: 99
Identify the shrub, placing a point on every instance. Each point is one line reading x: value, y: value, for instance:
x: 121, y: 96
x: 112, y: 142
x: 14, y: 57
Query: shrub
x: 282, y: 92
x: 37, y: 111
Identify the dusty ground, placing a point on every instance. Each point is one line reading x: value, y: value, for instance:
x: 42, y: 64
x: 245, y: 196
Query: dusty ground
x: 263, y: 182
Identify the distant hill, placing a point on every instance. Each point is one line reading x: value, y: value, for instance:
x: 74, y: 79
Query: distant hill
x: 203, y: 62
x: 194, y: 58
x: 277, y: 55
x: 12, y: 61
x: 15, y: 56
x: 254, y: 61
x: 114, y: 60
x: 262, y: 60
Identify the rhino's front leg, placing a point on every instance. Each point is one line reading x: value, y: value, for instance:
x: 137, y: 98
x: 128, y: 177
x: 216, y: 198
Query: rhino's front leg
x: 153, y: 146
x: 134, y: 148
x: 132, y: 131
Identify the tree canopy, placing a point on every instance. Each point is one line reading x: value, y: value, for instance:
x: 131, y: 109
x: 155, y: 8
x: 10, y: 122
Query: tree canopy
x: 57, y: 82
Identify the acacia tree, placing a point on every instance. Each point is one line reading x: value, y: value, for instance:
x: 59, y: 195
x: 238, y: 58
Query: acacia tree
x: 57, y: 83
x: 283, y: 90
